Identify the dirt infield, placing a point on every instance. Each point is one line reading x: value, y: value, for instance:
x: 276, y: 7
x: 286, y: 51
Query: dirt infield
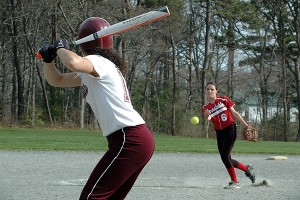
x: 53, y: 175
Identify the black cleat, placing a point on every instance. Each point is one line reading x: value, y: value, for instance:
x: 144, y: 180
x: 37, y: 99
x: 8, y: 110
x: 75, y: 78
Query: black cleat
x: 250, y: 173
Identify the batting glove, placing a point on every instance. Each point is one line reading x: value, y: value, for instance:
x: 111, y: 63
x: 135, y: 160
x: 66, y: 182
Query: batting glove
x: 48, y: 53
x: 61, y: 44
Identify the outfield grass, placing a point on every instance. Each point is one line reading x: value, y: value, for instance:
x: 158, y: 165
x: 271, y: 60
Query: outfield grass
x: 88, y: 140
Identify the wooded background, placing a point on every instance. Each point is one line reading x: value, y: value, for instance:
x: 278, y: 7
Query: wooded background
x: 251, y: 49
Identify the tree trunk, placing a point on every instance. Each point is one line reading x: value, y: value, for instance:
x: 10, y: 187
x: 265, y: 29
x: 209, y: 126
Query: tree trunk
x: 174, y: 86
x: 206, y: 57
x: 44, y: 94
x: 298, y: 93
x: 285, y: 121
x: 230, y: 62
x: 19, y: 77
x: 82, y: 112
x: 189, y: 80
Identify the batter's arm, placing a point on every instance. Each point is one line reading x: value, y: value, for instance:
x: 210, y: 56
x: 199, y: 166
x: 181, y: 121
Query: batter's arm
x: 75, y: 62
x: 57, y: 79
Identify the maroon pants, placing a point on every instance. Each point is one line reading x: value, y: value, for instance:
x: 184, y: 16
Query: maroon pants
x: 129, y: 150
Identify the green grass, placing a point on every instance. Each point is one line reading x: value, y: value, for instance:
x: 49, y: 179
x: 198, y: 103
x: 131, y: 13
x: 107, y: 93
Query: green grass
x: 88, y: 140
x: 50, y: 139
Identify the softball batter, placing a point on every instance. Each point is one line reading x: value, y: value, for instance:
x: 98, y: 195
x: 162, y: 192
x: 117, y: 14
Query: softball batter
x: 220, y: 111
x: 100, y: 74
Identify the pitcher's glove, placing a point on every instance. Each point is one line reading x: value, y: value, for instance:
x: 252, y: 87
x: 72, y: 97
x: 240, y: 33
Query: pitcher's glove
x: 250, y: 134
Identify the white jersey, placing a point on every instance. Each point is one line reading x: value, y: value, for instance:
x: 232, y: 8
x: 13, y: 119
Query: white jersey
x: 108, y: 96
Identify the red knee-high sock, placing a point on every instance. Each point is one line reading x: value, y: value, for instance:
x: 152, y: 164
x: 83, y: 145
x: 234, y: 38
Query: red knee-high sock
x: 232, y: 174
x: 242, y: 167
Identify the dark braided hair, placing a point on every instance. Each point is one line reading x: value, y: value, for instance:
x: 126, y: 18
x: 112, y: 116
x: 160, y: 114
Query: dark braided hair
x: 111, y: 55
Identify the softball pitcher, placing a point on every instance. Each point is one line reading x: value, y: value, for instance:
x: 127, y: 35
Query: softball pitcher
x: 220, y: 111
x: 100, y: 74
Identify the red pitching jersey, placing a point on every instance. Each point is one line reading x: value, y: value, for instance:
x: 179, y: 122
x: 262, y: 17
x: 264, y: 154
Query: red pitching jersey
x: 220, y: 113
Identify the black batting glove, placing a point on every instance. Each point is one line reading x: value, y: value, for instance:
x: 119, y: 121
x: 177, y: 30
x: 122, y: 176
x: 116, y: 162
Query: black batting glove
x: 48, y: 53
x: 61, y: 44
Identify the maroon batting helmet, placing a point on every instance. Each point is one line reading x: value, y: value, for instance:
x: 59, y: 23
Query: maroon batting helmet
x: 90, y: 26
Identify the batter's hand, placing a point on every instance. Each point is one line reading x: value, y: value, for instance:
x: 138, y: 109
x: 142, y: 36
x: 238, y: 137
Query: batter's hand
x: 48, y: 53
x: 61, y: 44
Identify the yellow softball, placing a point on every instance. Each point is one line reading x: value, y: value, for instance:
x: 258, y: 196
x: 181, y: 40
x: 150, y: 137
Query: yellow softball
x: 194, y: 120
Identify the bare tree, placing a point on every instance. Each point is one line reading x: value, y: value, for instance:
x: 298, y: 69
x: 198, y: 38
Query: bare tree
x: 14, y: 28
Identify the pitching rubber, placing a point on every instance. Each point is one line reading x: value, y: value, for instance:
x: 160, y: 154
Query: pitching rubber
x: 277, y: 158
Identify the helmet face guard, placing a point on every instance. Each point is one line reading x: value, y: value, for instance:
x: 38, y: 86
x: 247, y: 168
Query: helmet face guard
x: 90, y: 26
